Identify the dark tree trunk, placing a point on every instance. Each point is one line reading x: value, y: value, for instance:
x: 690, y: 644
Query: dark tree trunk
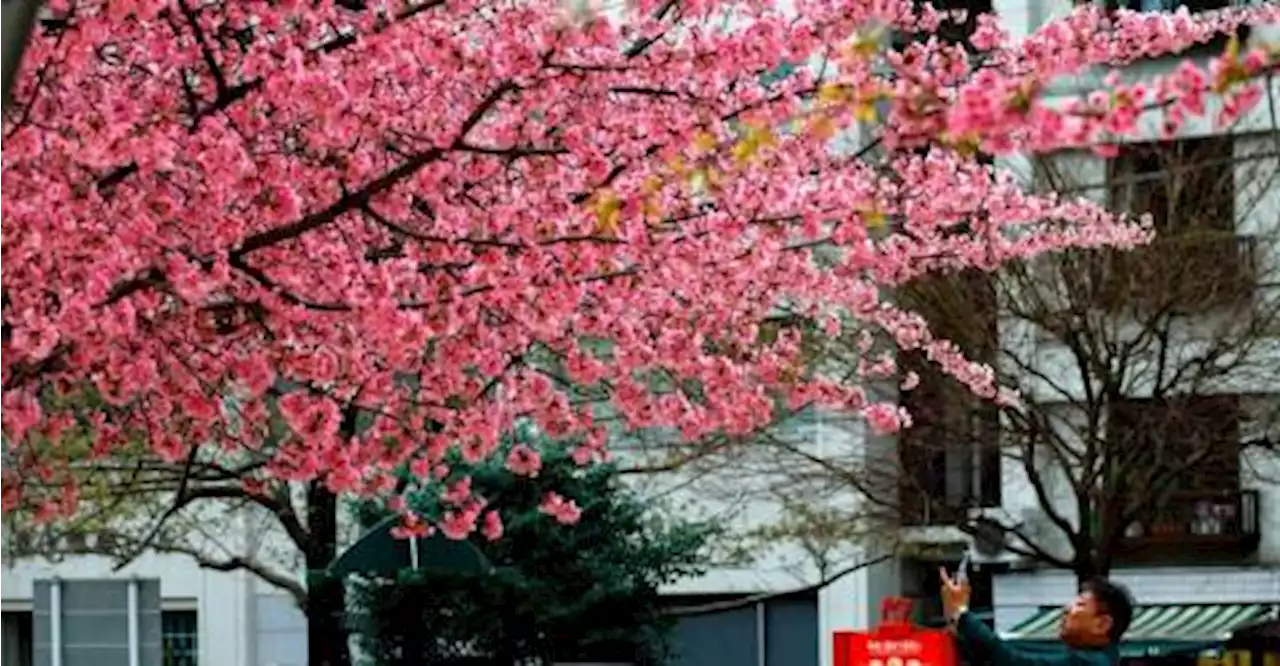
x: 1087, y: 566
x: 326, y: 596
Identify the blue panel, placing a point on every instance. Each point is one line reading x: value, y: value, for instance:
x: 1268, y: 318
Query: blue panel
x: 727, y: 638
x: 791, y: 632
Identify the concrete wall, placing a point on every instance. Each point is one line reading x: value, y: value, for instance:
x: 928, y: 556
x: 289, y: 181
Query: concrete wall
x: 279, y: 630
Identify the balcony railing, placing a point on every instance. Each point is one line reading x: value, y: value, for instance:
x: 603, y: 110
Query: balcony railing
x: 1203, y: 523
x: 1184, y: 272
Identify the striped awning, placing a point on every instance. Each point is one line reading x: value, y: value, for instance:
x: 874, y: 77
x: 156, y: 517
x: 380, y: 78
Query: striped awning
x: 1193, y: 623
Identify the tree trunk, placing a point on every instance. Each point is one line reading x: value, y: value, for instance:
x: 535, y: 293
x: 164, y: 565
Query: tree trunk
x: 326, y: 596
x: 1091, y: 565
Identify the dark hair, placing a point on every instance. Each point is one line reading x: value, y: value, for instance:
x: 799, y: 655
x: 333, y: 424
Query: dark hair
x: 1114, y: 600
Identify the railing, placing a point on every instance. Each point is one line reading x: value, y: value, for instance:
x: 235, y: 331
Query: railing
x: 1188, y: 272
x: 1224, y: 521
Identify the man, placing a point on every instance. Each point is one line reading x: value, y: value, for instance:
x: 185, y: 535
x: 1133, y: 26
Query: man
x: 1091, y: 628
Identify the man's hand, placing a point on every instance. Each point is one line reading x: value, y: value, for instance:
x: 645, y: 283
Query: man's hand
x: 955, y: 596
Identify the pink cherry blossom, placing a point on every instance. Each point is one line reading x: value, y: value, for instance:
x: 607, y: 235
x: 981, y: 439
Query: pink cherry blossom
x: 411, y: 526
x: 524, y: 461
x: 458, y: 524
x: 884, y: 419
x: 492, y: 528
x: 458, y: 493
x: 565, y: 511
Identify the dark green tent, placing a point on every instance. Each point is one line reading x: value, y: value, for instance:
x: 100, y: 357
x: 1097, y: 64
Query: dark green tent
x: 378, y: 553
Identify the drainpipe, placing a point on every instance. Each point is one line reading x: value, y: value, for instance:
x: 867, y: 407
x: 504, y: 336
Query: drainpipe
x: 135, y: 658
x: 55, y: 622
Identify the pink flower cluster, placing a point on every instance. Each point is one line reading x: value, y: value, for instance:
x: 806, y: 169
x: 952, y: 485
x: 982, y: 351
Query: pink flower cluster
x: 351, y: 241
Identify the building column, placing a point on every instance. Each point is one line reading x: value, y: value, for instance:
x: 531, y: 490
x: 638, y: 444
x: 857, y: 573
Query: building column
x: 842, y: 606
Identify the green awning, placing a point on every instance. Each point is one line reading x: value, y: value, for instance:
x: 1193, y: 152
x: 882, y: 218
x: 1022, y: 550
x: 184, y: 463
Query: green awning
x: 1161, y: 629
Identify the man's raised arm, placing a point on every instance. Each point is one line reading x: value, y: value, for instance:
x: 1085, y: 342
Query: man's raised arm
x: 983, y: 646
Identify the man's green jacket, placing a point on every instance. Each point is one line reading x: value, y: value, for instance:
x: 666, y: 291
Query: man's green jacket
x: 984, y: 648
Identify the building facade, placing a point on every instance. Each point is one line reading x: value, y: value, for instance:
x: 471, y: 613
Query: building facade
x: 1194, y: 428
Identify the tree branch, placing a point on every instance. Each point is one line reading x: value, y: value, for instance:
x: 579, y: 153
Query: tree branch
x: 754, y: 599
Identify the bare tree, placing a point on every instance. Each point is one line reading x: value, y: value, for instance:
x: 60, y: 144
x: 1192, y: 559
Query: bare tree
x: 1146, y: 376
x: 215, y: 508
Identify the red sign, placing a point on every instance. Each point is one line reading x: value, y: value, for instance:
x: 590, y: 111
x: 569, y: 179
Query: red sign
x: 896, y: 642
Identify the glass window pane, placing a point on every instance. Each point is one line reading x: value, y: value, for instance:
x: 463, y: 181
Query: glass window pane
x: 179, y: 642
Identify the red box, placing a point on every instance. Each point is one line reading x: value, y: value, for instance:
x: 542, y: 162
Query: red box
x: 896, y: 642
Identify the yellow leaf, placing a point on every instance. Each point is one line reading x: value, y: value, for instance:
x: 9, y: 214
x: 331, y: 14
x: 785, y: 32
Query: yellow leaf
x: 865, y: 111
x: 704, y: 178
x: 608, y: 209
x: 607, y: 223
x: 704, y: 142
x: 651, y: 185
x: 1233, y: 48
x: 967, y: 144
x: 754, y: 139
x: 676, y: 165
x: 764, y: 134
x: 1025, y: 95
x: 832, y: 93
x: 874, y: 219
x: 864, y: 46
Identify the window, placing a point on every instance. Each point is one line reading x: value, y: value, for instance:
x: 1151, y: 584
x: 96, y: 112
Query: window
x: 1197, y: 261
x: 178, y: 638
x: 960, y: 32
x: 1173, y: 476
x: 1184, y: 185
x: 948, y: 473
x: 179, y: 631
x: 15, y: 644
x: 951, y: 454
x: 951, y: 32
x: 1152, y: 440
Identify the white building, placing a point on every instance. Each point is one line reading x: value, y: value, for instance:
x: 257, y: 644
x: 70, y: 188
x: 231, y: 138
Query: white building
x: 1210, y: 560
